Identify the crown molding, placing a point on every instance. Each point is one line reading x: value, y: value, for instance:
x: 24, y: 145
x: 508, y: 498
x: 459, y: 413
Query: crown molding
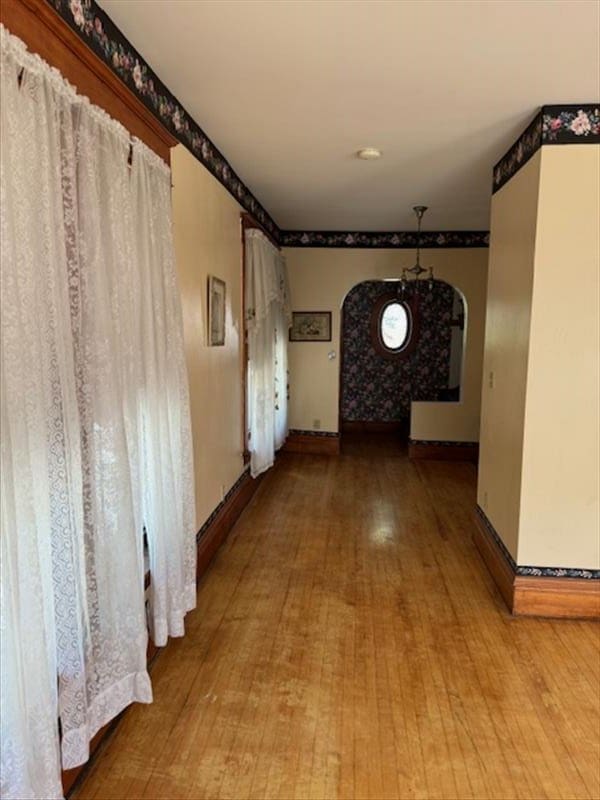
x: 562, y: 124
x: 384, y: 239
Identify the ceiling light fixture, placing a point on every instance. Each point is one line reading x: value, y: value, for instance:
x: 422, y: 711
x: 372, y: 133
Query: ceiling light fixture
x: 369, y: 153
x: 417, y: 272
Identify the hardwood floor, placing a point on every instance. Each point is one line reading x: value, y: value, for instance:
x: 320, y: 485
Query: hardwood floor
x: 349, y: 643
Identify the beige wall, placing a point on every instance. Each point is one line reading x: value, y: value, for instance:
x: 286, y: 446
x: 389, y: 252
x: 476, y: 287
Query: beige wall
x: 539, y: 462
x: 510, y: 281
x: 561, y: 458
x: 206, y: 229
x: 320, y: 278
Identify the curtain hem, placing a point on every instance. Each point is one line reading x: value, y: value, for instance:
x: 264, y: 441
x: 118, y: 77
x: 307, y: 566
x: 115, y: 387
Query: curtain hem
x: 133, y: 688
x: 174, y: 625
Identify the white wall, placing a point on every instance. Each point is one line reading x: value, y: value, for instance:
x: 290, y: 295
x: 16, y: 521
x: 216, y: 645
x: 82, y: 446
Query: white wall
x: 560, y: 518
x: 320, y: 278
x: 540, y: 456
x: 510, y: 283
x: 206, y: 229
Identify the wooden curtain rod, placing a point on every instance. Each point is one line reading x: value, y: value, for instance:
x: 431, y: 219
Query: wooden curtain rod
x: 248, y: 222
x: 47, y: 34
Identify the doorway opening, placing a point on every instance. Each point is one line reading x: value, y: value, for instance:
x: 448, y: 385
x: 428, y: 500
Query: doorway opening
x: 398, y: 346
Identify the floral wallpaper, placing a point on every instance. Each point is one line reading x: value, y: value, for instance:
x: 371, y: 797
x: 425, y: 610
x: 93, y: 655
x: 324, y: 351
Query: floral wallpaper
x: 379, y: 389
x: 552, y: 125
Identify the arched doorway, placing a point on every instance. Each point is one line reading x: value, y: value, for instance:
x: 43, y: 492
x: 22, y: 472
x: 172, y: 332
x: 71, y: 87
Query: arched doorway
x: 398, y: 346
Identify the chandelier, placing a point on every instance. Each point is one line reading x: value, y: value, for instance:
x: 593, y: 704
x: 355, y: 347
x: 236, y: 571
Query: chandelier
x: 417, y: 272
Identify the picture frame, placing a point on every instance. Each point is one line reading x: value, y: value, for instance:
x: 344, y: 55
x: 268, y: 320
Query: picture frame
x: 216, y: 311
x: 311, y: 326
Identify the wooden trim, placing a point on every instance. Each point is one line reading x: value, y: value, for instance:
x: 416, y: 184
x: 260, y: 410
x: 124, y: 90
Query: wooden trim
x: 217, y: 531
x: 525, y: 595
x: 317, y: 445
x: 244, y: 349
x: 494, y: 559
x: 248, y: 222
x: 574, y: 598
x: 45, y: 33
x: 444, y: 452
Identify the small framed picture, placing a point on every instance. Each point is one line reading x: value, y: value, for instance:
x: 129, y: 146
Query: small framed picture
x: 216, y: 311
x: 311, y: 326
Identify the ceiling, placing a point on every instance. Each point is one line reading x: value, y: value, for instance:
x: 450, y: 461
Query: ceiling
x: 289, y: 90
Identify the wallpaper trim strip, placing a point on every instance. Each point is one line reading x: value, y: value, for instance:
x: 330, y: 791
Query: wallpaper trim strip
x: 326, y: 434
x: 564, y: 124
x: 438, y: 443
x: 99, y: 32
x: 538, y: 572
x: 384, y: 239
x: 556, y: 124
x: 206, y: 525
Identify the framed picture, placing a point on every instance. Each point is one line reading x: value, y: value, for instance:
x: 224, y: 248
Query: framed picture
x: 311, y: 326
x: 216, y: 311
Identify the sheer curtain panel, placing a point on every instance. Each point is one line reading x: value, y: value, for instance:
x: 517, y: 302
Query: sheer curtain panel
x: 38, y: 418
x: 96, y: 438
x: 166, y: 443
x: 103, y: 277
x: 267, y: 322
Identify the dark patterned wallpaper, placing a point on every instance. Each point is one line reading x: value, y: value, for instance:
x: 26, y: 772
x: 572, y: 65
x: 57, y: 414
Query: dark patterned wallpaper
x: 379, y: 389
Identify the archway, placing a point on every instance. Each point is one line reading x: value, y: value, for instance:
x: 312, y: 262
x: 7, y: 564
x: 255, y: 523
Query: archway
x: 378, y: 382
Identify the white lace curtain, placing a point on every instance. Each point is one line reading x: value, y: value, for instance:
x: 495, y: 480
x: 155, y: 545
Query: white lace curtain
x: 268, y: 319
x: 96, y: 438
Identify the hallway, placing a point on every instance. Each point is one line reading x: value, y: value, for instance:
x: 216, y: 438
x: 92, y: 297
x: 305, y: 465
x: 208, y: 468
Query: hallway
x: 349, y: 643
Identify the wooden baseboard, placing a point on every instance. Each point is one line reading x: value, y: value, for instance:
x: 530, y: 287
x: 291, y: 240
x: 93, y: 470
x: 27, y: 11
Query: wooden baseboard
x: 307, y: 443
x: 369, y: 426
x: 533, y: 595
x: 212, y: 535
x: 447, y: 451
x: 572, y: 598
x: 499, y: 567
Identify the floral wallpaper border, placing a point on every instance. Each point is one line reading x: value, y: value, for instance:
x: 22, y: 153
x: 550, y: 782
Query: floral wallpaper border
x: 327, y: 434
x: 538, y: 572
x: 436, y: 443
x: 380, y: 239
x: 564, y: 124
x: 206, y: 525
x: 560, y: 124
x: 98, y: 31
